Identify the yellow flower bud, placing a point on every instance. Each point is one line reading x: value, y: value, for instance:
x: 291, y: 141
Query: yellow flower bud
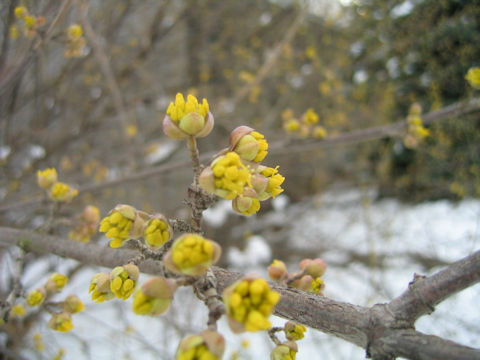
x: 246, y: 204
x: 191, y: 254
x: 74, y: 32
x: 249, y: 144
x: 56, y: 282
x: 285, y: 351
x: 310, y: 117
x: 292, y: 125
x: 18, y: 311
x: 46, y: 178
x: 61, y: 322
x: 154, y: 296
x: 123, y: 222
x: 277, y: 270
x: 123, y: 280
x: 314, y: 268
x: 35, y: 297
x: 157, y: 231
x: 100, y: 287
x: 72, y: 304
x: 20, y: 12
x: 188, y: 118
x: 319, y: 132
x: 249, y: 302
x: 473, y: 77
x: 294, y: 331
x: 208, y: 345
x: 62, y: 192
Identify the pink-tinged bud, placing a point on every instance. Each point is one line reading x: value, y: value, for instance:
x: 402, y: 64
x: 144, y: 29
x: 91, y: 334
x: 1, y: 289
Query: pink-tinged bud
x: 247, y: 203
x: 154, y: 296
x: 315, y: 268
x: 277, y: 270
x: 138, y: 225
x: 259, y: 184
x: 303, y: 283
x: 248, y: 143
x: 208, y: 344
x: 294, y: 331
x: 73, y: 304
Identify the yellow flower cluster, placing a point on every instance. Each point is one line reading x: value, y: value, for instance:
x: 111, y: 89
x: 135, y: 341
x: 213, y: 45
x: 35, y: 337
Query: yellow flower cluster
x: 75, y: 41
x: 125, y: 222
x: 275, y: 180
x: 416, y: 131
x: 61, y: 322
x: 38, y: 342
x: 18, y: 311
x: 154, y: 296
x: 473, y: 77
x: 306, y: 127
x: 72, y: 304
x: 252, y: 146
x: 28, y: 22
x: 208, y: 345
x: 57, y: 191
x: 123, y: 280
x: 231, y: 175
x: 117, y: 226
x: 286, y: 351
x: 180, y: 108
x: 36, y: 297
x: 100, y: 288
x: 294, y: 331
x: 157, y: 232
x: 249, y: 303
x: 191, y: 254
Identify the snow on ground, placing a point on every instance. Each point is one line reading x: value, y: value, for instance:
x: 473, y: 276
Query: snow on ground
x: 336, y: 225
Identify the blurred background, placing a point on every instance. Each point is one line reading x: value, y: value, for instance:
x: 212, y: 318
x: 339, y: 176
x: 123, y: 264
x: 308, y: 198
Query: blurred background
x: 91, y: 105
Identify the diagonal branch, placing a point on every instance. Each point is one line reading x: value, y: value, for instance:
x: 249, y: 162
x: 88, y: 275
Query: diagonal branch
x: 378, y: 329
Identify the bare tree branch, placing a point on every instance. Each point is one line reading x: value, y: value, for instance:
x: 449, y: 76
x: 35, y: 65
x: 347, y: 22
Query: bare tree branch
x: 381, y: 330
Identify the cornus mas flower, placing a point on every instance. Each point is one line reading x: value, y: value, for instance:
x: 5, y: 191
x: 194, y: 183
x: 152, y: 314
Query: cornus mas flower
x: 18, y: 311
x: 226, y: 176
x: 154, y: 296
x: 191, y: 254
x: 85, y: 224
x: 100, y: 287
x: 286, y: 351
x: 277, y: 270
x: 187, y: 118
x: 46, y: 178
x: 35, y: 297
x: 208, y: 345
x: 124, y: 222
x: 294, y: 331
x: 72, y: 304
x: 62, y: 192
x: 56, y: 282
x: 310, y: 117
x: 248, y: 143
x: 473, y: 77
x: 157, y: 231
x: 249, y: 303
x: 246, y: 204
x: 74, y: 32
x: 275, y: 180
x: 61, y: 322
x: 123, y: 280
x: 314, y: 268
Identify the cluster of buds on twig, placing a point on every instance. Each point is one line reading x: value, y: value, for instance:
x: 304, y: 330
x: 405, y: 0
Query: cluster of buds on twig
x: 75, y: 41
x: 57, y: 191
x: 306, y: 127
x: 60, y: 320
x: 416, y: 132
x: 26, y: 23
x: 288, y: 349
x: 238, y: 175
x: 206, y: 345
x: 307, y: 279
x: 125, y: 222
